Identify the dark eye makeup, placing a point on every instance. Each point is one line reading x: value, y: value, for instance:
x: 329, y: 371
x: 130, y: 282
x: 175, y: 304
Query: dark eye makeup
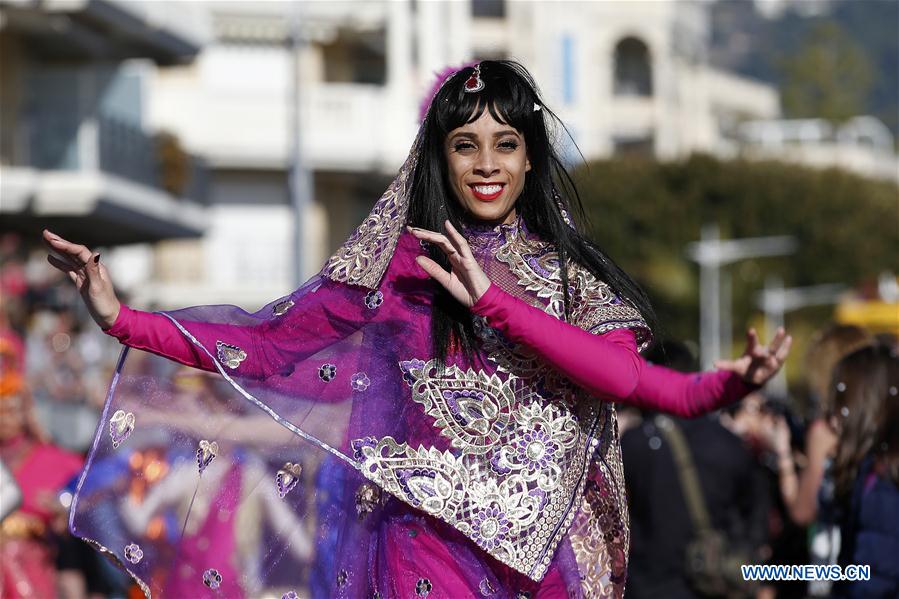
x: 507, y: 144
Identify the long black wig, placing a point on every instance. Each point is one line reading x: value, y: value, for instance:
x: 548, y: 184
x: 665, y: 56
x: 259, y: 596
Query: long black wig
x: 512, y: 98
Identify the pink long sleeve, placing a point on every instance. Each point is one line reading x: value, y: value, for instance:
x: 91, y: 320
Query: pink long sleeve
x: 608, y: 365
x: 157, y: 334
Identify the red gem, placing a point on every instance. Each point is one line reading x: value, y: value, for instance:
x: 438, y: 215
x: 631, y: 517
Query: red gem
x: 472, y: 83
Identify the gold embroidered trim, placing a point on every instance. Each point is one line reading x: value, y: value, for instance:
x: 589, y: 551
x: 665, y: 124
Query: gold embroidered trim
x: 600, y: 535
x: 594, y: 307
x: 519, y: 460
x: 364, y: 257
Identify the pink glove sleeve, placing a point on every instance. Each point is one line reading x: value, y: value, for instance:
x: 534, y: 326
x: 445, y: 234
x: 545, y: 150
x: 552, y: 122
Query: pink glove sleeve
x: 608, y: 365
x: 157, y: 334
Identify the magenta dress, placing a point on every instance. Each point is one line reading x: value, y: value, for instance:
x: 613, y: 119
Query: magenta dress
x: 324, y: 453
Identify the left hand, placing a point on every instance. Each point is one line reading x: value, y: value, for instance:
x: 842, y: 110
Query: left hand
x: 759, y: 363
x: 466, y: 280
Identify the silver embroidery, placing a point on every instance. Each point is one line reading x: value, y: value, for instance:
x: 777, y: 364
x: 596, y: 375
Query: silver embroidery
x: 360, y: 381
x: 206, y: 452
x: 133, y: 553
x: 368, y: 496
x: 423, y: 587
x: 288, y: 477
x: 507, y: 489
x: 281, y: 308
x: 363, y: 258
x: 373, y: 299
x: 327, y: 372
x: 594, y: 307
x: 599, y: 535
x: 121, y: 426
x: 229, y: 355
x: 212, y: 578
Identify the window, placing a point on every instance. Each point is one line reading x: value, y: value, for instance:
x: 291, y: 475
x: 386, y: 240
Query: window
x: 633, y: 71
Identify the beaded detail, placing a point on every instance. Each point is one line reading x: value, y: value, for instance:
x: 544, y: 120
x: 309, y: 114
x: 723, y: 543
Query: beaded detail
x: 373, y: 299
x: 212, y: 578
x: 287, y: 478
x: 281, y: 308
x: 206, y: 452
x: 423, y: 587
x: 229, y: 355
x: 121, y: 425
x: 133, y: 553
x: 327, y: 372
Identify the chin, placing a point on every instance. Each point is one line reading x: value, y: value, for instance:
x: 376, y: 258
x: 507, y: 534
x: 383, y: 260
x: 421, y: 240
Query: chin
x: 494, y: 214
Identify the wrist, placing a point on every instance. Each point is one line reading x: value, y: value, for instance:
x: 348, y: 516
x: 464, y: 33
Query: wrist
x: 119, y: 321
x: 486, y: 300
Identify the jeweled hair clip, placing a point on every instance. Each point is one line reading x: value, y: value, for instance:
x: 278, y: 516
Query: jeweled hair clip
x: 474, y: 83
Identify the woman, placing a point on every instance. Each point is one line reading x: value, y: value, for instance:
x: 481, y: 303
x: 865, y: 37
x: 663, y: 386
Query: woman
x: 865, y: 399
x: 451, y: 391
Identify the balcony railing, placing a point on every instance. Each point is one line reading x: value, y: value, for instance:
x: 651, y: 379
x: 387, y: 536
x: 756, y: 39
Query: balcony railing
x: 113, y: 146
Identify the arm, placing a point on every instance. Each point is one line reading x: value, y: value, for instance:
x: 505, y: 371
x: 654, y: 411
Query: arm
x: 820, y: 443
x: 157, y: 334
x: 608, y: 365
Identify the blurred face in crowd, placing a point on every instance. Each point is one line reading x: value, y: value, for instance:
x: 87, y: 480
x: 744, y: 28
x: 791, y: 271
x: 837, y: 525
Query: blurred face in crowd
x: 749, y: 422
x: 12, y: 417
x: 487, y: 162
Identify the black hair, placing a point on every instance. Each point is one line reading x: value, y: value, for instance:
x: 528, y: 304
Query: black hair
x: 511, y: 96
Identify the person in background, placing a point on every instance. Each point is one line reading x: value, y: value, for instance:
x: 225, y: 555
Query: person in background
x: 27, y: 536
x: 865, y: 400
x: 810, y: 502
x: 661, y: 524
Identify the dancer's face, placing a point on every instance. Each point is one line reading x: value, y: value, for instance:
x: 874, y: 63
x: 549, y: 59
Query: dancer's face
x: 487, y: 162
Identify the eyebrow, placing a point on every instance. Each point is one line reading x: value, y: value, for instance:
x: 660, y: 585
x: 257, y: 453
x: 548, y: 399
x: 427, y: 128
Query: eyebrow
x: 495, y: 135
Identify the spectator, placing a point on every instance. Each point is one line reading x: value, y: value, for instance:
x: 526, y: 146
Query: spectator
x: 866, y: 468
x: 661, y: 524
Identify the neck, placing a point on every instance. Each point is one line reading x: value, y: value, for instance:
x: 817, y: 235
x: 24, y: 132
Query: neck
x: 483, y: 234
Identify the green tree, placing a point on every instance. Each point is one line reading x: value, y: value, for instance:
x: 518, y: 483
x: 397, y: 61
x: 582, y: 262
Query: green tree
x: 644, y: 214
x: 829, y: 76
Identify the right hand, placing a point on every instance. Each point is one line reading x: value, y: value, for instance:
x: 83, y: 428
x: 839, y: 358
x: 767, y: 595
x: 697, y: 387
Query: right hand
x: 90, y: 277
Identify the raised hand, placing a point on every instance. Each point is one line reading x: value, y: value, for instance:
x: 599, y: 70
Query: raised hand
x: 90, y: 277
x: 759, y: 363
x: 466, y: 280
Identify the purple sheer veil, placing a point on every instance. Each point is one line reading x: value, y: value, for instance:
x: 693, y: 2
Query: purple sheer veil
x: 325, y: 420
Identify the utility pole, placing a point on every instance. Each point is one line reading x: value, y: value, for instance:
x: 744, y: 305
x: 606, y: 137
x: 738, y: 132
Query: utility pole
x: 775, y: 301
x: 299, y: 180
x: 711, y: 253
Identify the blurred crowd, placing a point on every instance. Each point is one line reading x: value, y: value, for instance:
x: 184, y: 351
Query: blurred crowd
x: 757, y: 483
x: 760, y: 484
x: 55, y: 366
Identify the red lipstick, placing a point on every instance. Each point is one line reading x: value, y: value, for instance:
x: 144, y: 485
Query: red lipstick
x: 486, y: 197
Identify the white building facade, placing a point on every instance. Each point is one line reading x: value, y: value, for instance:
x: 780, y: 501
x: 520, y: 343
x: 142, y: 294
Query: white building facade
x: 624, y: 77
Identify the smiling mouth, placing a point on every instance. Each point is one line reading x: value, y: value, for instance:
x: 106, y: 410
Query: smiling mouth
x: 487, y: 192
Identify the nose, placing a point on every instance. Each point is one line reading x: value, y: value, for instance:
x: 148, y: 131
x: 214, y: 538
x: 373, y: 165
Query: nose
x: 486, y: 164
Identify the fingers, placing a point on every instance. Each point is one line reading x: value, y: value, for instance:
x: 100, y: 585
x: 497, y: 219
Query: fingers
x: 458, y: 241
x: 434, y: 270
x: 784, y: 350
x: 65, y: 266
x: 437, y: 239
x: 79, y: 253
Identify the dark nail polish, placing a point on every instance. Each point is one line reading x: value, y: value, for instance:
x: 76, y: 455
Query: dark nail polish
x: 97, y: 259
